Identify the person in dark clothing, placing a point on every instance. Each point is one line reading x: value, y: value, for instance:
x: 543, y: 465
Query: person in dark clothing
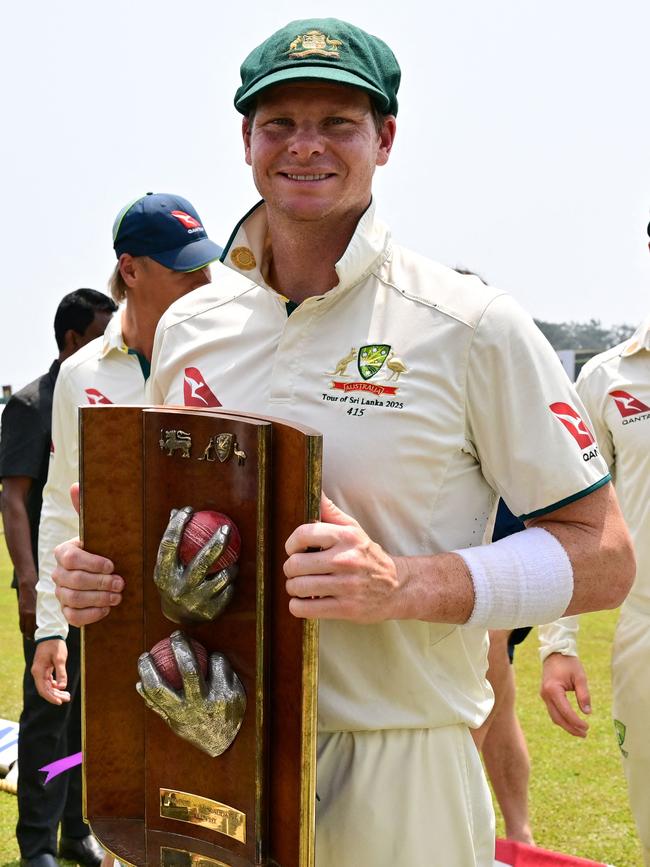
x: 47, y: 732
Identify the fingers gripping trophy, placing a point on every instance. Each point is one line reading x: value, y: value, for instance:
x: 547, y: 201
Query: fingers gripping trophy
x: 200, y: 689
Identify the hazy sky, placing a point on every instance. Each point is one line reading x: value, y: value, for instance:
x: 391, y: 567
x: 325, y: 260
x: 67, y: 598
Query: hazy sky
x: 523, y: 146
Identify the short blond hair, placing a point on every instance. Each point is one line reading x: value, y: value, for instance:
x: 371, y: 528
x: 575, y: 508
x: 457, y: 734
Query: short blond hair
x: 117, y: 285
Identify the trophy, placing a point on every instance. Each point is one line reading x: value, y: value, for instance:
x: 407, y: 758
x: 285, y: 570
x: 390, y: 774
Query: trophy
x: 200, y: 689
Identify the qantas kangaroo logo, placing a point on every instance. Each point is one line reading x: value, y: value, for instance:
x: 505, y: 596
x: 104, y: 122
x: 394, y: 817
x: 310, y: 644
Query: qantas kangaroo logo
x: 573, y: 423
x: 94, y: 396
x: 628, y: 405
x: 196, y: 391
x: 186, y: 220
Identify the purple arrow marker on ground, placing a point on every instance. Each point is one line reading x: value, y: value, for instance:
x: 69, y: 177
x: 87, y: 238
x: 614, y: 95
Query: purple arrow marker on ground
x: 61, y: 765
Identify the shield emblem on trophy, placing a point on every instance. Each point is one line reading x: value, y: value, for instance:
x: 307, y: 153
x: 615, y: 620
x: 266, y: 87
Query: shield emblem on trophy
x: 199, y: 690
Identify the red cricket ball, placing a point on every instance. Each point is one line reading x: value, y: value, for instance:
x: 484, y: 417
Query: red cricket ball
x: 166, y: 663
x: 197, y: 533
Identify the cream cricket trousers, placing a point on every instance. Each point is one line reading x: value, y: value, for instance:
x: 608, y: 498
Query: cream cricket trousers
x: 631, y: 712
x: 402, y: 798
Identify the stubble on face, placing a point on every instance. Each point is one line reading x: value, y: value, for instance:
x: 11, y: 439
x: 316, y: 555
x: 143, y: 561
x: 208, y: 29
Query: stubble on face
x: 313, y: 148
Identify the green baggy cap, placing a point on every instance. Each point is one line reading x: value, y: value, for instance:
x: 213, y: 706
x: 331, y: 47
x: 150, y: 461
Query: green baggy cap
x: 324, y: 49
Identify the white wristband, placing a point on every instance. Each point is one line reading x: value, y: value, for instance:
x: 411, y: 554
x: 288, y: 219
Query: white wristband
x: 522, y: 580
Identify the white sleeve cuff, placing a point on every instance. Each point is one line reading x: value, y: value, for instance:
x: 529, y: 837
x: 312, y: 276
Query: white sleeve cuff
x: 559, y: 637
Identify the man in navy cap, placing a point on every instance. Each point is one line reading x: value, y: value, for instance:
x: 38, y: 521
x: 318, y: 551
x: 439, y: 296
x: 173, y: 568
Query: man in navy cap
x: 163, y: 252
x: 407, y: 369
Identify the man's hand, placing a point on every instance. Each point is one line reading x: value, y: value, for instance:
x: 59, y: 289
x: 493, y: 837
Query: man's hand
x: 186, y: 592
x: 48, y: 670
x: 562, y: 674
x: 86, y: 585
x: 336, y: 571
x: 27, y: 607
x: 207, y: 714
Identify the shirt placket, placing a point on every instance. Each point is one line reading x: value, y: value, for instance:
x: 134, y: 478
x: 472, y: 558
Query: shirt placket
x: 294, y: 351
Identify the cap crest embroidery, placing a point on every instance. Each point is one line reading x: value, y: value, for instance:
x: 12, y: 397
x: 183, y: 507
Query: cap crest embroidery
x: 314, y: 43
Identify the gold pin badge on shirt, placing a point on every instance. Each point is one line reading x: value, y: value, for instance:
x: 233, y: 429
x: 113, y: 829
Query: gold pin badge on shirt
x: 243, y: 258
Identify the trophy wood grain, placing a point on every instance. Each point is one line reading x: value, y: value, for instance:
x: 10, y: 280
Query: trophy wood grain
x: 237, y: 778
x: 111, y: 524
x: 295, y: 496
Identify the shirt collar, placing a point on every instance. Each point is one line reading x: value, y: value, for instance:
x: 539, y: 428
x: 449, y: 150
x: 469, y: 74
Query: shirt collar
x: 112, y: 338
x: 249, y: 251
x: 639, y: 340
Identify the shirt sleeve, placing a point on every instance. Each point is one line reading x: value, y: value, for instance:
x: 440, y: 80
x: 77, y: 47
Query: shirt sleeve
x: 525, y: 421
x: 559, y: 637
x: 593, y: 394
x: 24, y: 442
x: 59, y: 521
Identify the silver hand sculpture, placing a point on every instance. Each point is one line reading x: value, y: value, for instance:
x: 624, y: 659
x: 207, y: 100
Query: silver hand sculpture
x: 207, y: 712
x: 187, y: 595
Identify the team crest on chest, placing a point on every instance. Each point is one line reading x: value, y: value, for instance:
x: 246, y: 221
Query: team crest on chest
x: 368, y: 368
x: 371, y: 359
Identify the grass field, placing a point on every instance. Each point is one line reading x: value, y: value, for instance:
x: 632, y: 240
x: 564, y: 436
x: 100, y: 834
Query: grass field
x: 577, y: 793
x: 11, y: 676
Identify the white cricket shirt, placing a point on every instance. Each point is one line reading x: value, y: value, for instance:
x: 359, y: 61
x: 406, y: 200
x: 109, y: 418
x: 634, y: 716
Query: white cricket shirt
x: 615, y: 388
x: 434, y: 394
x: 102, y: 371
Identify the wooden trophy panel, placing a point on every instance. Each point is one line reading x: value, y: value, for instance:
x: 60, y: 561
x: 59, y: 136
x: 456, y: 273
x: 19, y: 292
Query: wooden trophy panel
x: 296, y: 456
x: 238, y: 487
x: 111, y: 476
x: 152, y: 797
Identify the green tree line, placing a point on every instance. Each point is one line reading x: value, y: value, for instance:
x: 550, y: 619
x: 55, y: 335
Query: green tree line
x: 592, y: 335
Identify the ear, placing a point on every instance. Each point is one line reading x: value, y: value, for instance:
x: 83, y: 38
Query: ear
x: 246, y: 129
x: 72, y: 341
x: 128, y: 269
x: 386, y: 138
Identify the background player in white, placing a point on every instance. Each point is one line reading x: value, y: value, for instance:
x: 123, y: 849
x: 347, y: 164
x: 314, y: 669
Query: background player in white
x: 615, y: 388
x: 417, y: 461
x: 159, y: 260
x: 45, y: 732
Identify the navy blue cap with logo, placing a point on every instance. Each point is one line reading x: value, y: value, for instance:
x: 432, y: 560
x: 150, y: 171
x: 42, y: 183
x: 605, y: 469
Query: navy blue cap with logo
x: 165, y: 228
